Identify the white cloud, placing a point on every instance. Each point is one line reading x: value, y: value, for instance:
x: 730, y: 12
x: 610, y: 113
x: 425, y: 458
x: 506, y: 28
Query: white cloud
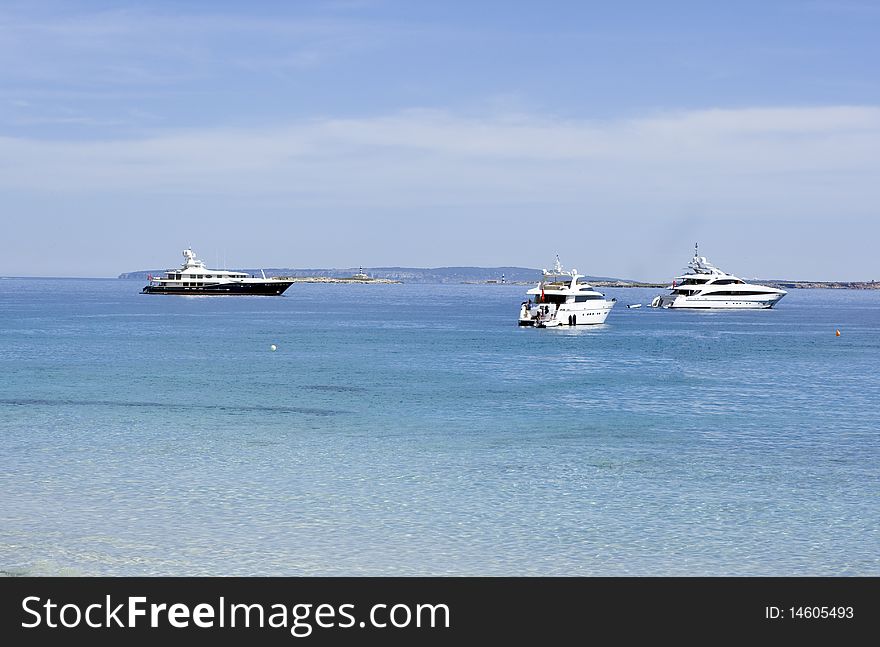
x: 99, y: 51
x: 423, y: 158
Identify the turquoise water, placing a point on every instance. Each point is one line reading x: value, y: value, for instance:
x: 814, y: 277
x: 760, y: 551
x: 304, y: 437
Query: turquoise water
x: 416, y: 430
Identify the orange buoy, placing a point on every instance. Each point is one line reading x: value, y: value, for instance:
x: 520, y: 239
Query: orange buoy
x: 837, y: 333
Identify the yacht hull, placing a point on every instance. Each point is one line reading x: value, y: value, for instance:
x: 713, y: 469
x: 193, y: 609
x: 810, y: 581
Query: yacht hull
x: 273, y: 288
x: 718, y: 303
x: 566, y: 317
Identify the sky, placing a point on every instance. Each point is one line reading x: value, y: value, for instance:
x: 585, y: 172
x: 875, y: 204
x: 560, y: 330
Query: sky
x: 425, y: 134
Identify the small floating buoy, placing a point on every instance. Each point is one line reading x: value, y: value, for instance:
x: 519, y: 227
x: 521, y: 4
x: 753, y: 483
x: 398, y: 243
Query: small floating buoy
x: 273, y: 347
x: 837, y: 333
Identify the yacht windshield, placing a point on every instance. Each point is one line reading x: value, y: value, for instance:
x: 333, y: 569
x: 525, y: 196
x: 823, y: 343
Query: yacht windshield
x: 548, y: 298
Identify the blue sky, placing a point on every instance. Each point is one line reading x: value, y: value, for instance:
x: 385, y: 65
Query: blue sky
x: 375, y: 133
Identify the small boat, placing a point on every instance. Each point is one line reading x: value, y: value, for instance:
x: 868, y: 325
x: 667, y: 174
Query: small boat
x: 561, y: 299
x: 193, y: 278
x: 634, y: 305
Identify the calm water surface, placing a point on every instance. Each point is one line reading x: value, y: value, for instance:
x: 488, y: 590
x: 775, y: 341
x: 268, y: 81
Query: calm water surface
x: 416, y: 430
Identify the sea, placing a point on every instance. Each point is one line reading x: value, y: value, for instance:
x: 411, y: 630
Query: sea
x: 417, y: 430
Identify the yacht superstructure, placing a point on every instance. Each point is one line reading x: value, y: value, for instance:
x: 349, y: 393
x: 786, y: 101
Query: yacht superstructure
x: 706, y: 286
x: 193, y: 278
x: 561, y: 299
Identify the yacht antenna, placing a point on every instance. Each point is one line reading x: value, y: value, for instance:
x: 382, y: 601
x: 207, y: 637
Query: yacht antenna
x: 558, y: 267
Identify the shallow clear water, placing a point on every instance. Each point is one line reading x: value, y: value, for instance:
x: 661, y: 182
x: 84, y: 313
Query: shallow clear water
x: 416, y: 430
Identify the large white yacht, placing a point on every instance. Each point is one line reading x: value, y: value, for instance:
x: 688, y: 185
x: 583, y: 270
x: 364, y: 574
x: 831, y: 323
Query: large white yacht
x: 194, y: 278
x: 561, y: 299
x: 706, y: 286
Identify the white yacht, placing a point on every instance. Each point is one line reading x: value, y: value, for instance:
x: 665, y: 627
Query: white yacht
x: 194, y: 278
x: 706, y: 286
x: 561, y: 299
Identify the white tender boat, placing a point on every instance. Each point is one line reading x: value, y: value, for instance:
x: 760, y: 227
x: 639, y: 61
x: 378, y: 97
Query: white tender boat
x: 705, y: 286
x: 562, y: 299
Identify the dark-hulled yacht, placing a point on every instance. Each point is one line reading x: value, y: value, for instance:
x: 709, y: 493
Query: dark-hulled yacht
x: 193, y: 278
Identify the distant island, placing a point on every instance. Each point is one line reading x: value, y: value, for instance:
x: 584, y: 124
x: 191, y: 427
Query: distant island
x: 342, y: 279
x: 832, y: 285
x: 482, y: 276
x: 774, y: 283
x: 507, y: 275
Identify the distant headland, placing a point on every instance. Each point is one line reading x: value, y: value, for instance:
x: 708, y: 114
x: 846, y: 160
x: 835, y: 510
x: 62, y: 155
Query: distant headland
x: 341, y: 279
x: 388, y: 274
x: 480, y: 275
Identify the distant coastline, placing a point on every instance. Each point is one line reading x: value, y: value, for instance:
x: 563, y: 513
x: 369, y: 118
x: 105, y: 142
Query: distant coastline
x: 456, y: 275
x: 828, y: 285
x: 486, y: 276
x: 329, y: 279
x: 785, y: 285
